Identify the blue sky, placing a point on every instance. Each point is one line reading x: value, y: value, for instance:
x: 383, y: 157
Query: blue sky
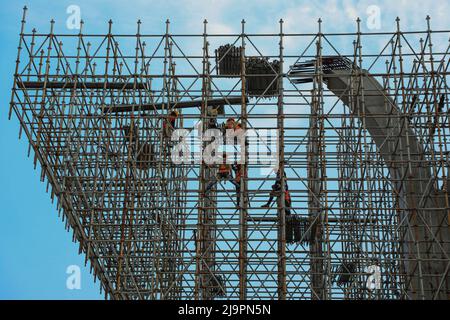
x: 35, y: 249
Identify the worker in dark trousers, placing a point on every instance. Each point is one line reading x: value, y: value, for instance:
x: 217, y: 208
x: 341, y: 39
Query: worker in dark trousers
x: 276, y: 192
x: 238, y: 174
x: 169, y: 124
x: 239, y: 131
x: 223, y: 174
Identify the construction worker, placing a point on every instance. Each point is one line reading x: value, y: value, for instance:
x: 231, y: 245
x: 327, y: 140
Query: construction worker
x: 169, y: 124
x: 237, y: 168
x: 223, y: 174
x: 276, y: 192
x: 237, y: 126
x: 239, y: 131
x: 230, y: 124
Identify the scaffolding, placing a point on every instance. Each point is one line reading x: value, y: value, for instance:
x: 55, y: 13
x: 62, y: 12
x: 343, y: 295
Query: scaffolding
x: 361, y: 122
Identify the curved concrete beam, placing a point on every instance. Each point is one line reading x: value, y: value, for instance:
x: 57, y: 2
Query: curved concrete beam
x: 424, y: 215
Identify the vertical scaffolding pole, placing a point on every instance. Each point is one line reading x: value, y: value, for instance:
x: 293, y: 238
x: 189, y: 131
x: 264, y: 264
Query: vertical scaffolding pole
x: 282, y: 287
x: 243, y: 188
x: 314, y: 179
x: 207, y: 202
x: 19, y: 50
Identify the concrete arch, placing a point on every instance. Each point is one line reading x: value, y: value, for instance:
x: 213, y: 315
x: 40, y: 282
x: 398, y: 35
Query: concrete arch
x: 424, y: 213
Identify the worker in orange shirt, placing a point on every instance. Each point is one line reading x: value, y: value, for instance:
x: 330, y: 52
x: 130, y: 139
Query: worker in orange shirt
x: 238, y: 174
x: 239, y: 131
x: 223, y: 174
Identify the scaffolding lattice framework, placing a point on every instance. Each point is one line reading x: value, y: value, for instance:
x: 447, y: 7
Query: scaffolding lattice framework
x: 368, y: 176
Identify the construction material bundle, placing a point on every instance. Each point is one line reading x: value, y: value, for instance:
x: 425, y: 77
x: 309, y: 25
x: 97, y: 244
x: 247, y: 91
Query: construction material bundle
x: 345, y: 273
x: 261, y: 74
x: 297, y: 230
x: 217, y: 285
x: 262, y: 77
x: 228, y: 60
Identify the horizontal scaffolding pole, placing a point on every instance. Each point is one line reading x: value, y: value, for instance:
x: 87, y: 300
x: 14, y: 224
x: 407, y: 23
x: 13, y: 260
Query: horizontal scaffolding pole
x: 175, y: 105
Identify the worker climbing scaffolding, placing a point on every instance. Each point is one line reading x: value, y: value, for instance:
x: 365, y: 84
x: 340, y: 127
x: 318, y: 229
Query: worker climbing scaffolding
x: 277, y: 191
x: 169, y: 124
x: 235, y: 135
x: 297, y: 228
x: 230, y: 124
x: 238, y: 174
x: 224, y: 173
